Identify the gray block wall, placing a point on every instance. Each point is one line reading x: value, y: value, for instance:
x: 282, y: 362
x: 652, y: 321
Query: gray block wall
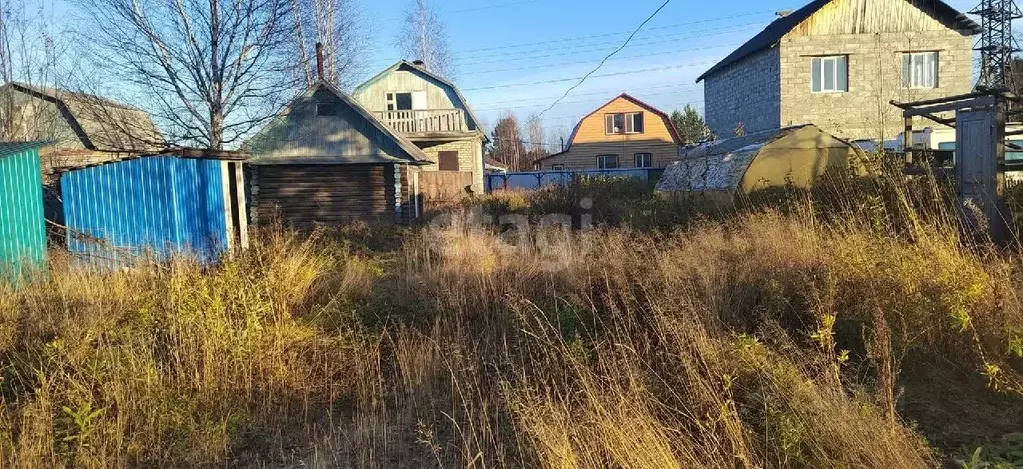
x: 748, y: 92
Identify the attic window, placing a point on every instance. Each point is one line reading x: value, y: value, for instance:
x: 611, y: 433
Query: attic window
x: 623, y: 123
x: 326, y: 109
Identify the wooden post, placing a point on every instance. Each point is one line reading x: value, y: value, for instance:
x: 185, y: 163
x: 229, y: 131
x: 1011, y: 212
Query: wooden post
x: 907, y: 140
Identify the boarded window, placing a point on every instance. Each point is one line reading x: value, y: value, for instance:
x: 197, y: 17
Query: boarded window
x: 607, y: 162
x: 829, y: 74
x: 326, y: 109
x: 448, y: 160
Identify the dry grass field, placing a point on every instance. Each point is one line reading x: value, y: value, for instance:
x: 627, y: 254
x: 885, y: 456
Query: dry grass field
x: 869, y: 333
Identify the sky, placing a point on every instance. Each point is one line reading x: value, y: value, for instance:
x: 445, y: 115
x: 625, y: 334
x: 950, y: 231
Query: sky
x: 521, y: 55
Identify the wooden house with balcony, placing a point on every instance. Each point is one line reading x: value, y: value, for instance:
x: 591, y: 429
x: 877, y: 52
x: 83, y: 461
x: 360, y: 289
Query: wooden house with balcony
x: 430, y: 111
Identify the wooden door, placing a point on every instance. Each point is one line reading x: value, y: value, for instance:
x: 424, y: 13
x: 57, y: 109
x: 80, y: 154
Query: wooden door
x: 980, y: 148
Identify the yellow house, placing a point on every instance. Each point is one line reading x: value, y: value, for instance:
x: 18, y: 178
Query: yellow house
x: 624, y: 133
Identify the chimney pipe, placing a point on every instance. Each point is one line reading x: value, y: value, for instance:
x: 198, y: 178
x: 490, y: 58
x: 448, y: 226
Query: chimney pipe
x: 319, y: 60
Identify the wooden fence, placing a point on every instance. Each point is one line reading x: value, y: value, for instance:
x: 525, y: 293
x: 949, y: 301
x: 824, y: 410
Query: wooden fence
x: 443, y: 188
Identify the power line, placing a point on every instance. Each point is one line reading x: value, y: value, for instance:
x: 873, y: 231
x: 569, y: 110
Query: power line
x: 468, y: 10
x: 591, y: 72
x: 501, y: 108
x: 559, y: 80
x: 577, y: 49
x: 580, y: 116
x: 573, y: 38
x: 488, y: 7
x: 561, y: 64
x: 487, y: 105
x: 598, y: 46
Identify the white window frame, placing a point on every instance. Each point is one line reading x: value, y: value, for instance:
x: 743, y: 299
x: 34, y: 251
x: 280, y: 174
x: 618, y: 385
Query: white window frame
x: 630, y: 123
x: 609, y: 119
x: 649, y: 157
x: 833, y: 63
x: 558, y: 167
x: 913, y: 81
x: 602, y: 161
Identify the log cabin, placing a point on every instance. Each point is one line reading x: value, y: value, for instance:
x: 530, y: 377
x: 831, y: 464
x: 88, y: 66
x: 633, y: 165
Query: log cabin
x: 325, y: 160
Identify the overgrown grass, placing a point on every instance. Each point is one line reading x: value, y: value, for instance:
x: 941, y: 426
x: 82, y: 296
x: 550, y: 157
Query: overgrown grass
x: 831, y: 332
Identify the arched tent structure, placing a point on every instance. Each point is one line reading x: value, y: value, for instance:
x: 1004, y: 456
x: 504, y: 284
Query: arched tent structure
x: 792, y: 156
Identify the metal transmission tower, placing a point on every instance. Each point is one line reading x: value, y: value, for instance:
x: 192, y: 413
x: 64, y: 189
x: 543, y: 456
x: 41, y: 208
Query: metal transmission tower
x: 996, y: 42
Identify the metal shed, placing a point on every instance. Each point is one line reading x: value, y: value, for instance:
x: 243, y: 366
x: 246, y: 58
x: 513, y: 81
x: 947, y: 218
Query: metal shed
x: 182, y: 203
x: 792, y: 156
x: 22, y: 226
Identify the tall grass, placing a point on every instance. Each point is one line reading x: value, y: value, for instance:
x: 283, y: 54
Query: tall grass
x: 788, y: 338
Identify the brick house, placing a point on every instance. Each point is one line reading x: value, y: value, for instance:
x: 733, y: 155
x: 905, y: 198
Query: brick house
x: 838, y: 63
x: 430, y: 111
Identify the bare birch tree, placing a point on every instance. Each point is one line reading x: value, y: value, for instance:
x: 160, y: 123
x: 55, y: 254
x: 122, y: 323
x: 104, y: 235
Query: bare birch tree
x: 339, y: 26
x: 211, y: 71
x: 423, y: 37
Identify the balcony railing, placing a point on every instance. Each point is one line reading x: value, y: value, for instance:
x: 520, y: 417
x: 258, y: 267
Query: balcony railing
x: 424, y: 120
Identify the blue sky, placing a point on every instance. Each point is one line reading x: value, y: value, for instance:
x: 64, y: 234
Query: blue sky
x: 501, y: 43
x: 520, y: 55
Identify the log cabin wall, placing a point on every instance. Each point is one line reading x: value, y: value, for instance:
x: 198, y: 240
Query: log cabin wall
x: 302, y: 196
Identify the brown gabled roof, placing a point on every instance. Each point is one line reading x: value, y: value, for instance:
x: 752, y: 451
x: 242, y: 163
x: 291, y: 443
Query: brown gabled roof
x: 773, y: 33
x: 664, y: 117
x: 100, y: 124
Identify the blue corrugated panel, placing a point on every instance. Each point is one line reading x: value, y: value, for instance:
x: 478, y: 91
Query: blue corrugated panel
x: 158, y: 205
x: 22, y: 226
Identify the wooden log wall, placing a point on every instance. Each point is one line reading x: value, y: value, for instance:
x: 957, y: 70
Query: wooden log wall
x: 303, y: 196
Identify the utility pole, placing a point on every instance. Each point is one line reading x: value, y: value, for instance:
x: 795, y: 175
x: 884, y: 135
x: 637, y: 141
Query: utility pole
x: 996, y: 44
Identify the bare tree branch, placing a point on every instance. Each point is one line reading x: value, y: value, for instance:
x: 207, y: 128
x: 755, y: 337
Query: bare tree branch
x: 211, y: 71
x: 424, y: 37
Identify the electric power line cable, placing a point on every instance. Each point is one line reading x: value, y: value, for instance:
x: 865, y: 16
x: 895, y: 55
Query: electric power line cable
x: 591, y: 72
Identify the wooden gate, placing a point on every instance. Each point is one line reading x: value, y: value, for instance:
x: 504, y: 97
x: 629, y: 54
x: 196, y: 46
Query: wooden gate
x: 443, y: 188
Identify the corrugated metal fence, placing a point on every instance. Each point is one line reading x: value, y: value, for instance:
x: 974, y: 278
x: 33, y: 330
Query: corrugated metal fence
x: 531, y: 180
x: 160, y: 205
x: 22, y: 226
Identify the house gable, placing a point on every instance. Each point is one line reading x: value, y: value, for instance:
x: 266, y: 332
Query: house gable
x: 323, y: 126
x: 870, y: 17
x: 405, y: 76
x: 659, y: 139
x: 657, y: 124
x: 78, y: 121
x: 855, y: 16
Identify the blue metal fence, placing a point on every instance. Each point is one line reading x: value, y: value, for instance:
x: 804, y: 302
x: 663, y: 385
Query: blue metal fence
x: 531, y: 180
x: 158, y: 205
